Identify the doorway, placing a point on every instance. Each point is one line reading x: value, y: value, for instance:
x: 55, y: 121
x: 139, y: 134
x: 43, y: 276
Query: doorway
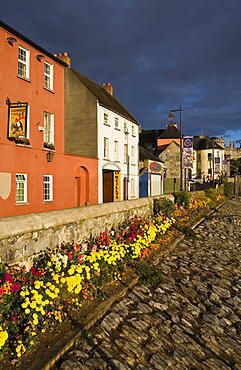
x: 108, y: 186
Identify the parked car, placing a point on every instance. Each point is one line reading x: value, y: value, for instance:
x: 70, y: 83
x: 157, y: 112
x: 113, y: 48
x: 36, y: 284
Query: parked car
x: 193, y: 182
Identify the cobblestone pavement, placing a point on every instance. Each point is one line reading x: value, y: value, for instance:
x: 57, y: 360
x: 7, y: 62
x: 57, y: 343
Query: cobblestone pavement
x: 192, y: 321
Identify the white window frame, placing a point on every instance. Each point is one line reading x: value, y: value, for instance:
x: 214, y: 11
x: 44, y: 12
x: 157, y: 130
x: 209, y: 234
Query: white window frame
x: 125, y: 128
x: 21, y: 188
x: 48, y: 188
x: 48, y: 128
x: 116, y: 123
x: 132, y: 155
x: 116, y: 150
x: 132, y: 188
x: 106, y: 148
x: 23, y: 62
x: 106, y: 119
x: 48, y: 75
x: 125, y: 153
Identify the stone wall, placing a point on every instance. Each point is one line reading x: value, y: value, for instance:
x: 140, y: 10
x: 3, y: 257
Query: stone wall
x: 22, y: 237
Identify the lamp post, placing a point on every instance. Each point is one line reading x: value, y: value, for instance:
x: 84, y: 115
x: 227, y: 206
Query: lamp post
x: 170, y: 118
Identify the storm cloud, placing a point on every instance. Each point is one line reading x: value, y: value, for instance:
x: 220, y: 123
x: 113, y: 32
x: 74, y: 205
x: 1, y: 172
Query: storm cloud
x: 158, y: 54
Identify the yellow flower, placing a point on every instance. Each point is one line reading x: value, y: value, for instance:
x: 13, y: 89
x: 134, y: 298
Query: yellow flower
x: 27, y: 311
x: 3, y: 337
x: 33, y: 304
x: 71, y: 271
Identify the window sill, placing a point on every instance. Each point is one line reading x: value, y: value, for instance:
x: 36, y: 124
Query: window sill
x: 22, y: 204
x: 49, y: 150
x: 24, y: 145
x: 107, y: 124
x: 106, y: 159
x: 48, y: 201
x: 117, y: 128
x: 50, y: 90
x: 24, y: 78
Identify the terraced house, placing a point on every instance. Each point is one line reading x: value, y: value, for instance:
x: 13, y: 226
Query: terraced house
x: 97, y: 125
x: 36, y: 174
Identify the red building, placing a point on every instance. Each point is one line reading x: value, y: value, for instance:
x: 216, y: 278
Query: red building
x: 36, y: 174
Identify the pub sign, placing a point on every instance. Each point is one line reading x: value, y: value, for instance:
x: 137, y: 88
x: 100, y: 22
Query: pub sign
x: 17, y: 120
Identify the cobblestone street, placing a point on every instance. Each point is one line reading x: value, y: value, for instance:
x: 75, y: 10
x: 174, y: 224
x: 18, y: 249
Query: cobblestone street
x: 191, y: 321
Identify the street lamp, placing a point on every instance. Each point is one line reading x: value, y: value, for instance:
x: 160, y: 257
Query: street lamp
x: 170, y: 118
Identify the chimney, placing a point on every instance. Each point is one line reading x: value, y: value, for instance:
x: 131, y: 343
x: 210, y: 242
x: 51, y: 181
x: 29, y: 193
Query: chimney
x: 64, y: 57
x: 108, y: 87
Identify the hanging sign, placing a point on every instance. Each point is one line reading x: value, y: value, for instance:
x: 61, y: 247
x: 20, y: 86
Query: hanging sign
x: 217, y: 165
x: 17, y: 121
x: 188, y: 156
x: 116, y: 184
x: 155, y: 167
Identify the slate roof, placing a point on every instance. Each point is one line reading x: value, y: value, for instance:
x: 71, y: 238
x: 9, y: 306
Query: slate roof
x: 145, y: 154
x: 202, y: 143
x: 30, y: 42
x: 104, y: 97
x: 150, y: 136
x: 171, y: 132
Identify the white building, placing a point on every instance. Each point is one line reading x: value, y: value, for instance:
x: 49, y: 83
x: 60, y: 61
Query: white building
x: 104, y: 130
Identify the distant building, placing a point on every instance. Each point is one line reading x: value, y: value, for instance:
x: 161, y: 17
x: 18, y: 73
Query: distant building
x: 209, y: 158
x: 151, y: 170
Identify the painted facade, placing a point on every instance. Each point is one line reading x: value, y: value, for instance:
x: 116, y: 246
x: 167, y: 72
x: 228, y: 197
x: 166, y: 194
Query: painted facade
x: 105, y: 130
x: 31, y: 126
x: 151, y: 172
x: 209, y: 162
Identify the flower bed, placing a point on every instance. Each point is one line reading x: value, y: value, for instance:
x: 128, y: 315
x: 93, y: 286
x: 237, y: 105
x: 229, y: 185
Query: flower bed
x: 72, y: 274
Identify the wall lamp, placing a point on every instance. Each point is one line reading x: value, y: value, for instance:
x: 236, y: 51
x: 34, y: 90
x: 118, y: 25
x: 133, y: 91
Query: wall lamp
x: 49, y: 156
x: 39, y: 57
x: 8, y: 101
x: 11, y: 40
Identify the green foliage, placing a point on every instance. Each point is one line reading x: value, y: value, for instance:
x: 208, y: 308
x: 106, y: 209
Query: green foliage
x: 228, y: 189
x: 182, y: 198
x: 148, y: 274
x: 235, y: 166
x: 187, y: 231
x: 166, y: 206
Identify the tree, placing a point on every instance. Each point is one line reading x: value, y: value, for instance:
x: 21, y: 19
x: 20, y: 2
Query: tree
x: 235, y: 166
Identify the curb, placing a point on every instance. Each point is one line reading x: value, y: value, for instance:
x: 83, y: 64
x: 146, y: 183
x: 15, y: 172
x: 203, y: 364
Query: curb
x: 63, y: 346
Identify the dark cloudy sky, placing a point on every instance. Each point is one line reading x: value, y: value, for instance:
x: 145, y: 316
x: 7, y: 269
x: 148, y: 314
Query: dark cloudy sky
x: 158, y: 54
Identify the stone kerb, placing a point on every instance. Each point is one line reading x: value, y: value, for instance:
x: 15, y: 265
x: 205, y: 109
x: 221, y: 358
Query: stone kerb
x: 21, y: 237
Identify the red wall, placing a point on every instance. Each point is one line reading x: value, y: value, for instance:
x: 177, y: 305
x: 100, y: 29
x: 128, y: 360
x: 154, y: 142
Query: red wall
x: 32, y: 160
x: 161, y: 142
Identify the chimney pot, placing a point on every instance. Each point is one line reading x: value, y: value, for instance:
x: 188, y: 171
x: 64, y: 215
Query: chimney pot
x: 64, y: 57
x: 108, y: 87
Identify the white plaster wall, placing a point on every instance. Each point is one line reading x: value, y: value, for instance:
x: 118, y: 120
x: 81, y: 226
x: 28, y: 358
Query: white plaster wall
x: 205, y: 164
x: 117, y: 134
